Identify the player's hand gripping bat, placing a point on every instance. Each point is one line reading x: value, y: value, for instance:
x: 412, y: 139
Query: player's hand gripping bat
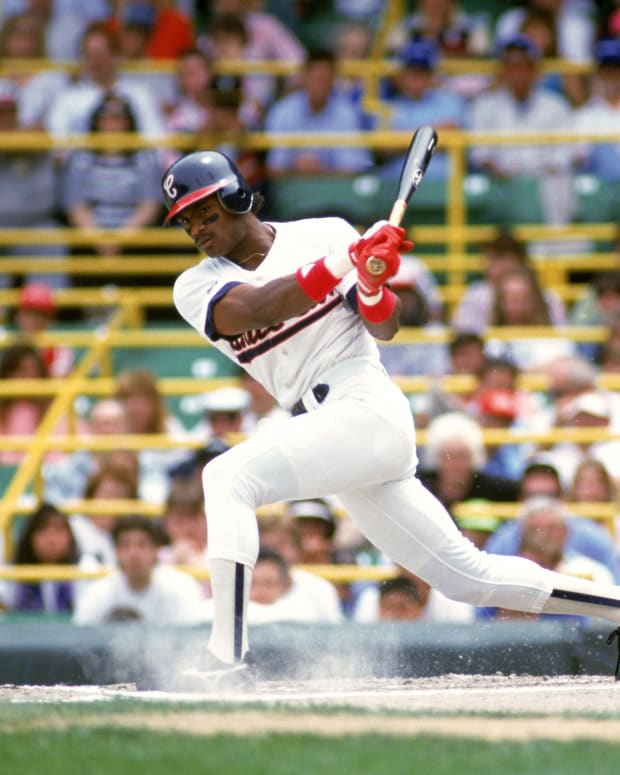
x: 419, y: 155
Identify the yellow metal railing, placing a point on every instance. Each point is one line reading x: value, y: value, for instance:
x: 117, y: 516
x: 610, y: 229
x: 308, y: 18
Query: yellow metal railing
x: 136, y: 300
x: 376, y: 66
x: 605, y: 513
x: 335, y: 573
x: 456, y: 234
x: 36, y: 447
x: 185, y: 337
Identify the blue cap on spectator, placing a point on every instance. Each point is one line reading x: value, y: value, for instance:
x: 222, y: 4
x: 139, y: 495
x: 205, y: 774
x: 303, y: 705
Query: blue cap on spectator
x: 139, y: 15
x: 608, y: 52
x: 418, y: 53
x: 519, y: 43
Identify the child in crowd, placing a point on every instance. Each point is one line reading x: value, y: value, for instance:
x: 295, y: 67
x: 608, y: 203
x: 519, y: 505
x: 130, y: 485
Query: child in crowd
x: 47, y: 539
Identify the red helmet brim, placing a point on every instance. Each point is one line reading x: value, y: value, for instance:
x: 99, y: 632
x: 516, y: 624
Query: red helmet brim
x: 193, y: 197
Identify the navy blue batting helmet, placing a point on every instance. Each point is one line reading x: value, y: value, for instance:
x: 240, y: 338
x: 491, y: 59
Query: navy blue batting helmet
x: 201, y: 174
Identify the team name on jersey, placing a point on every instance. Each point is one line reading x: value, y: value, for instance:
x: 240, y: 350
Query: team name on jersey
x: 253, y: 336
x: 250, y: 344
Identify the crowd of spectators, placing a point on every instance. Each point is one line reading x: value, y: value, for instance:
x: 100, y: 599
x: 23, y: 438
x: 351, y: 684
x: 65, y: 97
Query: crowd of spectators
x: 87, y: 82
x: 100, y: 43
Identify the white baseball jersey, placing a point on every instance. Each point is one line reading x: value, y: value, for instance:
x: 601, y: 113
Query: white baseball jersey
x: 287, y: 358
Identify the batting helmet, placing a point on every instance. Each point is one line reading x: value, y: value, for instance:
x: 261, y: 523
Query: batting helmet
x: 201, y: 174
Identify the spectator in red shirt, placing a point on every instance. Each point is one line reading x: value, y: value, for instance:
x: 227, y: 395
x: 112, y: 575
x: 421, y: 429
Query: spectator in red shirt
x: 35, y: 313
x: 171, y: 31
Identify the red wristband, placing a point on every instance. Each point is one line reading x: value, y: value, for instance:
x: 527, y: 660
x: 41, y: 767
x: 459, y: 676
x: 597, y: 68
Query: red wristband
x: 377, y: 313
x: 315, y: 280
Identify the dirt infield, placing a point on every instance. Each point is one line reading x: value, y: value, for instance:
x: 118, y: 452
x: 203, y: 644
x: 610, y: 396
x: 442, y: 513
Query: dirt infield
x: 518, y: 707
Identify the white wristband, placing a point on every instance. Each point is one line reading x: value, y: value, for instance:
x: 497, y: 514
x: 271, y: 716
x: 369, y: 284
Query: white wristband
x: 370, y: 301
x: 338, y: 264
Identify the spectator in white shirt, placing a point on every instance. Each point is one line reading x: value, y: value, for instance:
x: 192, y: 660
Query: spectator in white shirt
x: 431, y: 605
x: 274, y: 597
x: 601, y: 115
x: 519, y: 104
x: 71, y: 110
x: 140, y: 589
x: 278, y: 532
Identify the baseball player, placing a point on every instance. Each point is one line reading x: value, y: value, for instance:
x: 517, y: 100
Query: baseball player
x: 295, y: 304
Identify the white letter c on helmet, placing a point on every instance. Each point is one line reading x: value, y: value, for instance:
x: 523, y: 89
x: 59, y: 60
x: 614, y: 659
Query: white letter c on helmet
x: 169, y: 187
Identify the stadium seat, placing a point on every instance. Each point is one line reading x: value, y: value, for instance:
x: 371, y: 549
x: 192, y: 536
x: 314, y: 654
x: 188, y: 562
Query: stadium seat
x: 477, y: 189
x: 504, y: 202
x: 597, y: 201
x: 358, y: 198
x: 428, y: 205
x: 313, y: 23
x: 492, y: 8
x: 172, y: 361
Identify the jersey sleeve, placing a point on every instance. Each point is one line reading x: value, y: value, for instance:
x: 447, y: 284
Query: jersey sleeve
x: 195, y: 294
x: 347, y: 287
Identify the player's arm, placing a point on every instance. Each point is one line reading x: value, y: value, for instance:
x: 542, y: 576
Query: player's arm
x: 386, y: 329
x: 246, y: 307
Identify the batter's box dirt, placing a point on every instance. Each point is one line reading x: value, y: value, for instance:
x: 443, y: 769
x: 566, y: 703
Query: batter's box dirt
x: 450, y: 694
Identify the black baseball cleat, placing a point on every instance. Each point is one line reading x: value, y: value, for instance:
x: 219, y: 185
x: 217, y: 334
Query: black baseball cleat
x: 214, y: 675
x: 615, y: 635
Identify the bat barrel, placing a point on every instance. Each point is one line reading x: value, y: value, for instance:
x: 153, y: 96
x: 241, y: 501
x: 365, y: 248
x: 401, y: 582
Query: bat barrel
x: 417, y: 159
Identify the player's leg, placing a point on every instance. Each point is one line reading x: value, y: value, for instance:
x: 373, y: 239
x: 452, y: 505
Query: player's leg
x: 309, y: 456
x: 411, y: 526
x: 230, y: 585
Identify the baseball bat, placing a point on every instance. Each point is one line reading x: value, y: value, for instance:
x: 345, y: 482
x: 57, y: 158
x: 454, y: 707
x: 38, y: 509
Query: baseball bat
x: 419, y: 155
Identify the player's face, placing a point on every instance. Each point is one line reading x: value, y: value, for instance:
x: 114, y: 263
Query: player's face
x: 215, y: 231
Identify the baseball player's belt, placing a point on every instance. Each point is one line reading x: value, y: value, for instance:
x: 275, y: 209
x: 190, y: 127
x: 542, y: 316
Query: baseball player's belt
x: 319, y: 391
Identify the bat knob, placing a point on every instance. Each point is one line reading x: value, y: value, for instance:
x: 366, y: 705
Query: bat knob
x: 375, y: 266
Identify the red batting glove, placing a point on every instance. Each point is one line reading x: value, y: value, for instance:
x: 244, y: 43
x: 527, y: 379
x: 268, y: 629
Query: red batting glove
x: 382, y: 246
x: 371, y: 280
x: 386, y: 234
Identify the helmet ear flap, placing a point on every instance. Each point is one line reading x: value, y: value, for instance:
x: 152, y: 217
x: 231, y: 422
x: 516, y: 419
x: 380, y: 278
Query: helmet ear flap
x: 238, y: 201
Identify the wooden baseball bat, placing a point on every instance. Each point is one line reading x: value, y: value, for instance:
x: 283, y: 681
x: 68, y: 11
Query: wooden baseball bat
x: 419, y: 155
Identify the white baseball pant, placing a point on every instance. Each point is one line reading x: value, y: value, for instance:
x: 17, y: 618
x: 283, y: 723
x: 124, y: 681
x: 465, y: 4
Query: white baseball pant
x: 360, y: 445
